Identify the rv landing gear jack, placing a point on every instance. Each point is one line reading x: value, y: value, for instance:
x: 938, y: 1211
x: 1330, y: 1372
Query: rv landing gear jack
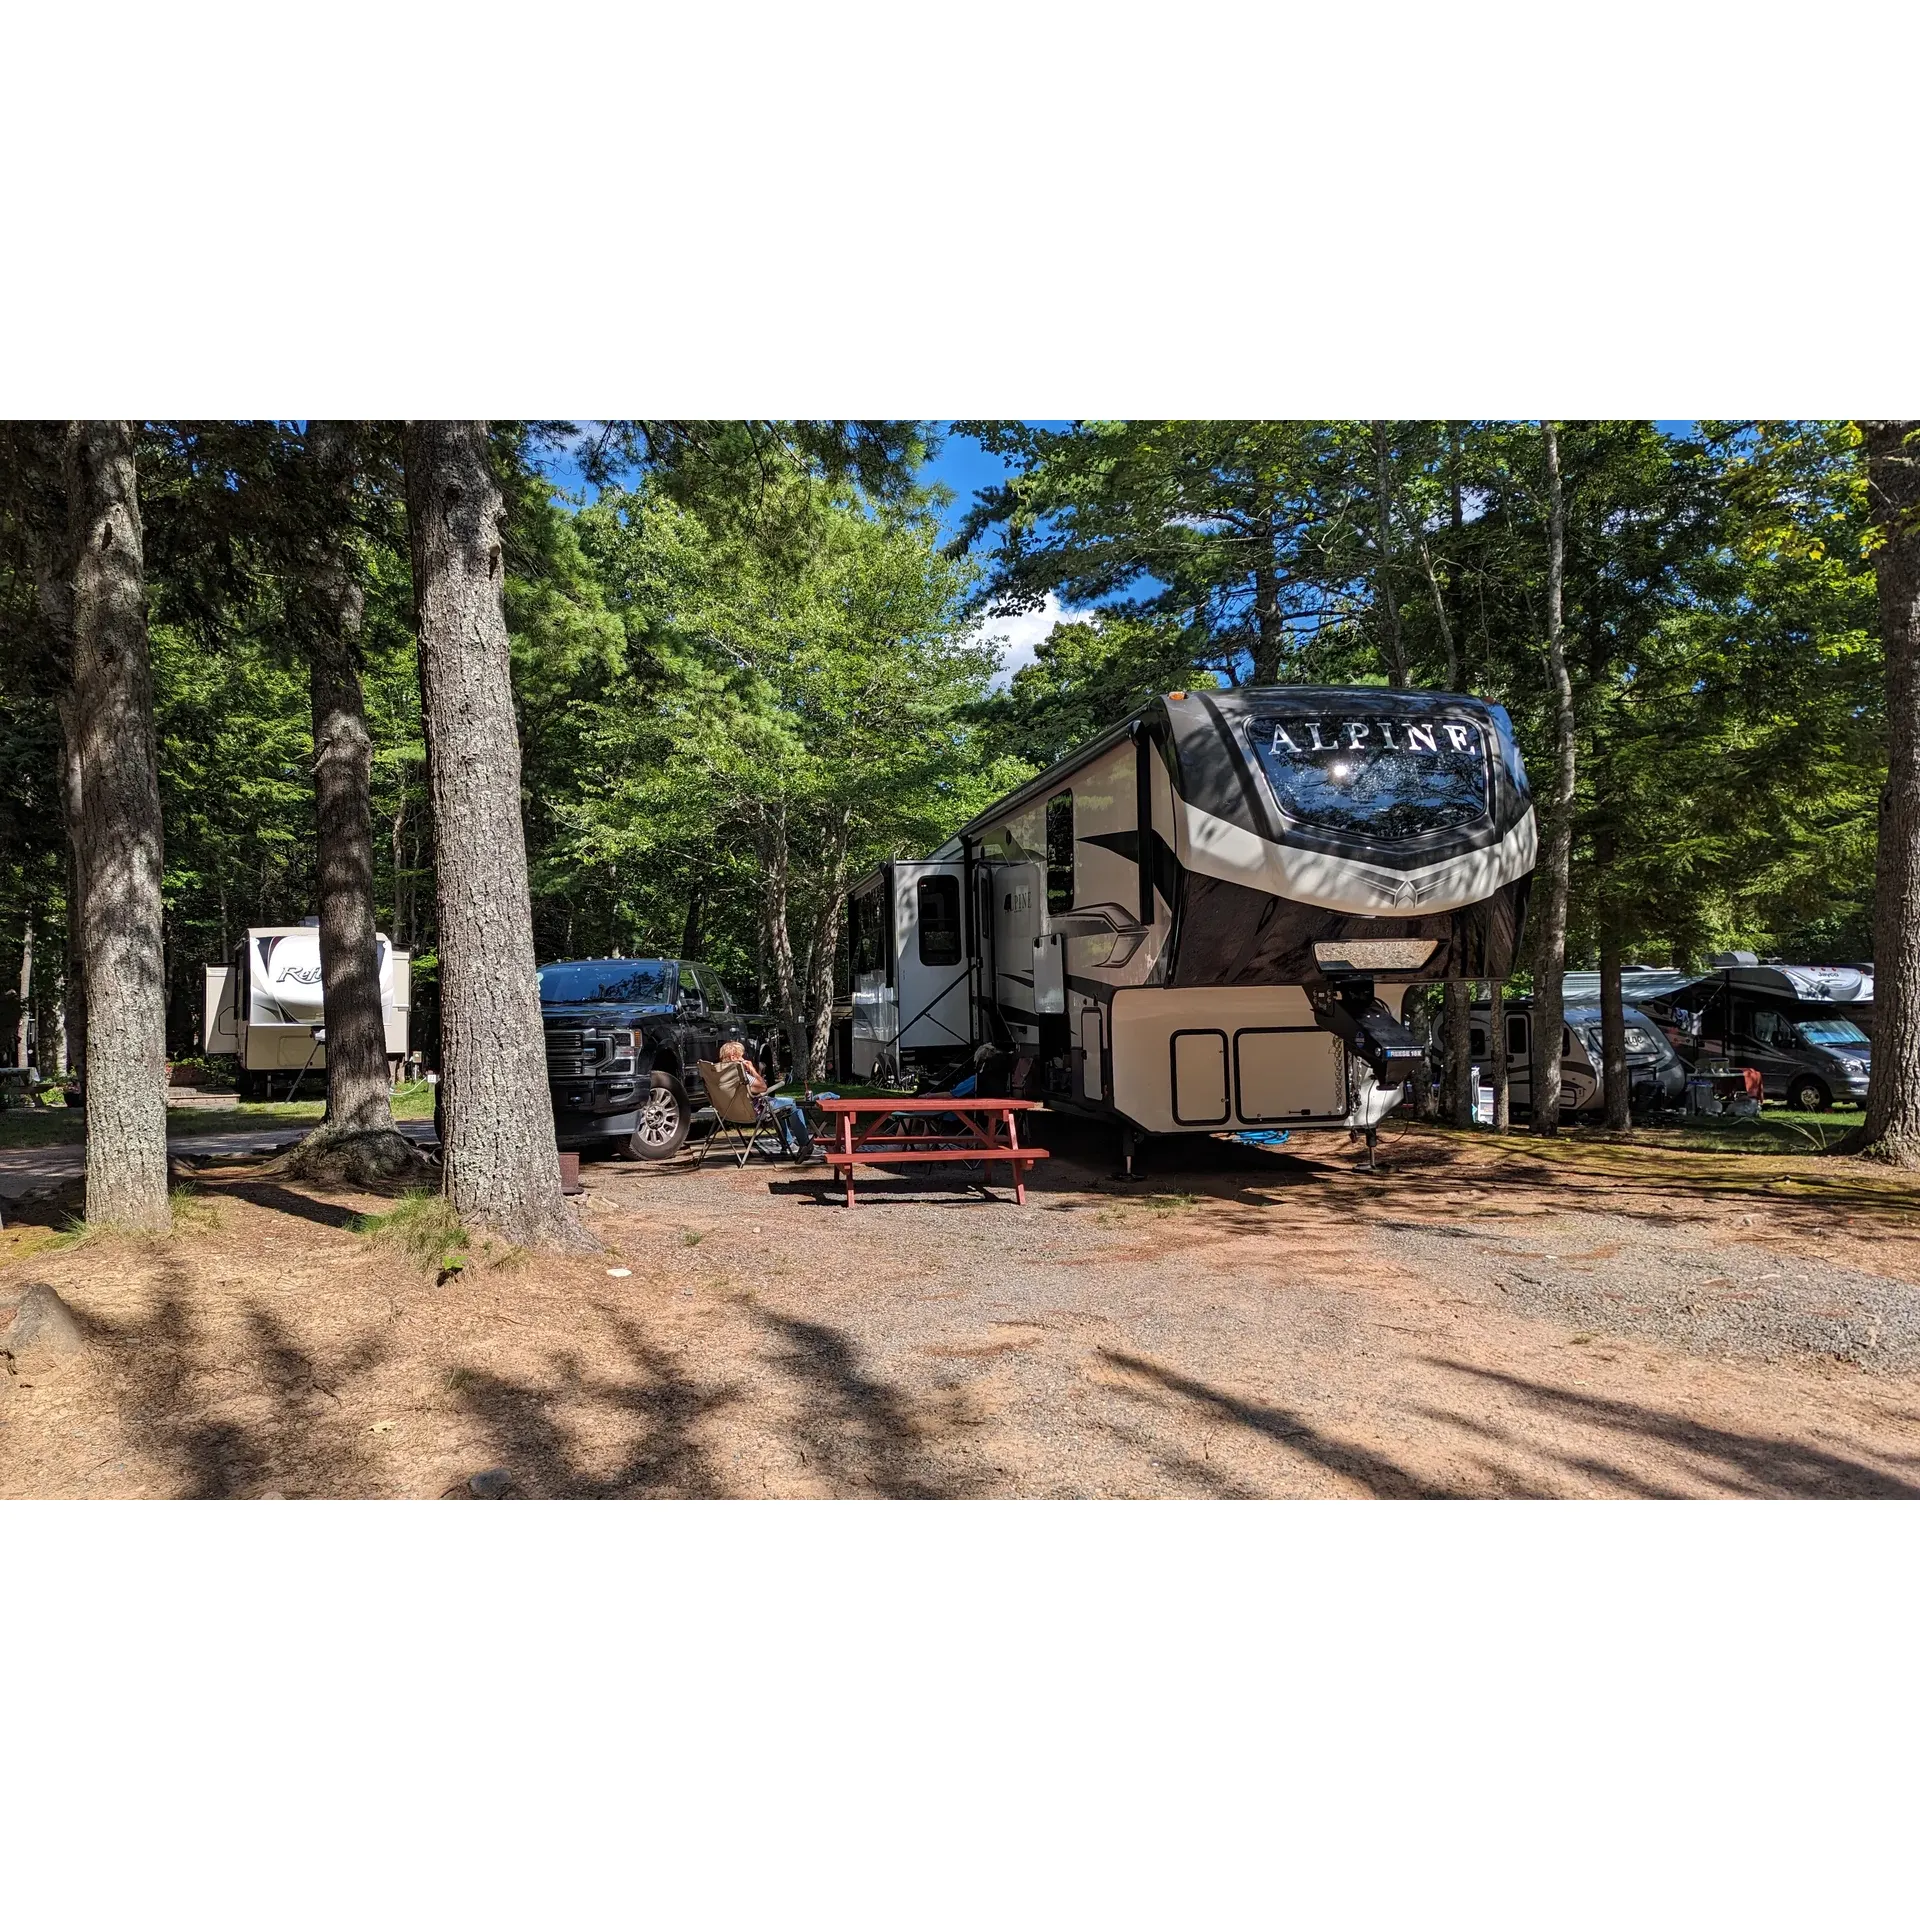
x: 1129, y: 1139
x: 1373, y: 1140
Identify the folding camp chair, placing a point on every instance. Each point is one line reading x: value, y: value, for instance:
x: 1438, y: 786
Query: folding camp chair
x: 736, y: 1112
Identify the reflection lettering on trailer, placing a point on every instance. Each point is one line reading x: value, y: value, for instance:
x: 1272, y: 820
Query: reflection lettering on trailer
x: 1381, y: 778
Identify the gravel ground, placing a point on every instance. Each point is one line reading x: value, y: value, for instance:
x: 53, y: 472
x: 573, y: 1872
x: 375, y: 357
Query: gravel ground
x: 1668, y: 1280
x: 1240, y: 1323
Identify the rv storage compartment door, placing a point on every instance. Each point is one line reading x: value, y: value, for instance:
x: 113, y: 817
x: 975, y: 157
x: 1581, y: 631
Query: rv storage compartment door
x: 1288, y: 1073
x: 1200, y: 1078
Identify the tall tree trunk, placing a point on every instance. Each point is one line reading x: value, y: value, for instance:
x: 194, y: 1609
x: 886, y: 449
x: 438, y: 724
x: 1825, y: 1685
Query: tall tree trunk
x: 1270, y: 631
x: 1892, y: 1129
x: 399, y: 882
x: 692, y: 932
x: 1497, y: 1058
x: 1550, y: 928
x: 358, y: 1140
x: 822, y: 945
x: 779, y: 938
x: 1419, y: 1018
x: 76, y: 979
x: 502, y: 1168
x: 820, y: 993
x: 1458, y: 1029
x: 1613, y: 1025
x: 117, y: 753
x: 1383, y: 536
x: 26, y: 996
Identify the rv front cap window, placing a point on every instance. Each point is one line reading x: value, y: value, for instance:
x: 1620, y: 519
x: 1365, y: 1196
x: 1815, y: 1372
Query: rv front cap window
x: 1832, y: 1033
x: 575, y: 983
x: 1386, y: 779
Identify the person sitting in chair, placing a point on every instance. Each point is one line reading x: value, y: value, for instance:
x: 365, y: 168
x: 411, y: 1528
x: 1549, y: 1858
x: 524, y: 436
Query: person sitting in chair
x: 785, y: 1114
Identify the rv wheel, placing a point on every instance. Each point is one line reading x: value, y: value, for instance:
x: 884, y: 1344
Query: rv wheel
x: 660, y: 1127
x: 1809, y: 1095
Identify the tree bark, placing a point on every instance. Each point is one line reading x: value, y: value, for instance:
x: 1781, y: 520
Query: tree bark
x: 1419, y: 1018
x: 26, y: 996
x: 1497, y: 1058
x: 1458, y: 1028
x: 358, y: 1140
x: 692, y: 932
x: 117, y: 758
x: 1269, y: 629
x: 1613, y: 1027
x: 1892, y: 1129
x: 1383, y: 535
x: 779, y: 938
x: 76, y: 980
x: 822, y: 945
x: 502, y: 1168
x: 1550, y: 928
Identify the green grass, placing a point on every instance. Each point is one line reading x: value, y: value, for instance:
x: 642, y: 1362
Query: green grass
x: 423, y: 1228
x: 1776, y: 1130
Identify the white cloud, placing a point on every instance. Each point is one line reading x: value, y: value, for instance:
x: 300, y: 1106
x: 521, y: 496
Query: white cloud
x: 1016, y: 635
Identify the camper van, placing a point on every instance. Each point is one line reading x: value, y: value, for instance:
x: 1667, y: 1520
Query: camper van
x: 1207, y: 918
x: 265, y: 1008
x: 1656, y: 1075
x: 1808, y: 1030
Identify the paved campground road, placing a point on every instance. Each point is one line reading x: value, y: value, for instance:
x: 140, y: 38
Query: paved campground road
x: 29, y: 1170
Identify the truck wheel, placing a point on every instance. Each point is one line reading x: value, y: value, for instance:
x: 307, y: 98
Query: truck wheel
x: 1809, y: 1095
x: 660, y: 1127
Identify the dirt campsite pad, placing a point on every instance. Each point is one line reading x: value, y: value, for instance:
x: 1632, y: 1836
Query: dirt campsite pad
x: 1483, y: 1318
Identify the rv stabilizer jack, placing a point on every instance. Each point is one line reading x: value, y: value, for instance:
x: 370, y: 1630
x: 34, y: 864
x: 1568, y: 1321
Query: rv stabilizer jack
x: 1346, y: 1006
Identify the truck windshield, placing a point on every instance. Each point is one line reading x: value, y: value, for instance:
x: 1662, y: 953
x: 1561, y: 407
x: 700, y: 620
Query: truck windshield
x: 1831, y: 1033
x: 575, y: 983
x: 1378, y: 778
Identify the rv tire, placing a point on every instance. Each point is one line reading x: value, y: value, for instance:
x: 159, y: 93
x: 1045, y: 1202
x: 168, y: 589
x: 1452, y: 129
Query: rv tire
x: 660, y: 1127
x: 1809, y: 1095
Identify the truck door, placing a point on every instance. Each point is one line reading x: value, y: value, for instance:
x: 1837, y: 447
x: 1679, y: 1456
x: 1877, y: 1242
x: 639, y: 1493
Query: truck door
x: 723, y: 1017
x: 699, y: 1035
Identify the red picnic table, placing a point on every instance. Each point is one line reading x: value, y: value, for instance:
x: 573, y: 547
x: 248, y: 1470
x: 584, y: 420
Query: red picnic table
x: 932, y: 1128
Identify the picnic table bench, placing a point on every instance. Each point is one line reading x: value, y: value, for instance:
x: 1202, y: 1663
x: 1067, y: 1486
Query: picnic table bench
x: 24, y: 1083
x: 903, y: 1128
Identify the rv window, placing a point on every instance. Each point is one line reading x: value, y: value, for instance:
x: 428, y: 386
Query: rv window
x: 937, y: 902
x: 1832, y: 1033
x: 1381, y: 779
x: 869, y: 932
x: 1060, y: 853
x: 1517, y: 1036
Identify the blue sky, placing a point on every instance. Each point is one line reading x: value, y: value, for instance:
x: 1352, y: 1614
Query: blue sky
x: 964, y: 466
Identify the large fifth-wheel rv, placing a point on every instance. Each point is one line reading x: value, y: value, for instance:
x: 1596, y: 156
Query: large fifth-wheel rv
x: 1207, y: 919
x: 267, y: 1008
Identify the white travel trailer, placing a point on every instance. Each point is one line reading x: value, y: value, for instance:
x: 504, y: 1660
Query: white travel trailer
x: 1207, y: 919
x: 266, y: 1007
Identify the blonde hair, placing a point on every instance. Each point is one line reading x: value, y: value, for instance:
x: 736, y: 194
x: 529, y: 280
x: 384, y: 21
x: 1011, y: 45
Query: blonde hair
x: 732, y: 1050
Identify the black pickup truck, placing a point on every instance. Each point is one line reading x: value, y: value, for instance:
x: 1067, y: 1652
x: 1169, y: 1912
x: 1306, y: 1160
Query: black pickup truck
x: 625, y: 1039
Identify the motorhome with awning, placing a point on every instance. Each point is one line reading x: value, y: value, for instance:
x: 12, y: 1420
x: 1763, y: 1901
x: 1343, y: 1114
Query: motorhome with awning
x: 1808, y: 1029
x: 266, y: 1007
x: 1207, y: 919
